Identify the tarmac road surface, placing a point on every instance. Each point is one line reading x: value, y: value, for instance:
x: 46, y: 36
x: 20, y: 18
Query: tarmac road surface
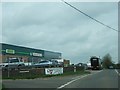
x: 97, y: 79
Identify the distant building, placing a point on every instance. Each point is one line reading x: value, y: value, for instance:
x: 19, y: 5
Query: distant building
x: 66, y: 63
x: 26, y: 54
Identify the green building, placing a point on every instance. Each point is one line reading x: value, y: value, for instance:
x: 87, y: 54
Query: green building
x: 26, y: 54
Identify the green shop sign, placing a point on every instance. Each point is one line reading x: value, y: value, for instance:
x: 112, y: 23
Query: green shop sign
x: 10, y: 51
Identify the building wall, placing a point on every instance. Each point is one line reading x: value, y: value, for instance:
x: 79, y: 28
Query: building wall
x: 52, y: 55
x: 0, y: 58
x: 26, y: 54
x: 5, y: 57
x: 19, y: 50
x: 24, y: 58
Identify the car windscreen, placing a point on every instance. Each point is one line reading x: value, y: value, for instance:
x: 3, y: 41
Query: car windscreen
x: 43, y: 61
x: 11, y: 60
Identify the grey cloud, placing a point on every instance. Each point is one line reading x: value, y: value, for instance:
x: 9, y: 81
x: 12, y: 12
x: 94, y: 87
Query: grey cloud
x: 58, y: 27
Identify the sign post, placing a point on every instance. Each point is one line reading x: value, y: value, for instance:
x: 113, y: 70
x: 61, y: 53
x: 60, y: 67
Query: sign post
x: 74, y: 69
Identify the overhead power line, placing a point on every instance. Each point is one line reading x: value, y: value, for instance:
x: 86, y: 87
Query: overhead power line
x: 89, y: 16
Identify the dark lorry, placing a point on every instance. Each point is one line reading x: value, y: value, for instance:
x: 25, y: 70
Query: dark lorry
x: 95, y: 63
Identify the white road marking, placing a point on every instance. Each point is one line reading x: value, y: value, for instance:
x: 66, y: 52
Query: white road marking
x: 76, y: 78
x: 117, y: 72
x: 71, y: 82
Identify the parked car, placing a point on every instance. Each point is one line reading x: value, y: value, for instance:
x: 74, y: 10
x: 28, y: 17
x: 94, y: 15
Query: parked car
x: 88, y: 65
x: 12, y: 63
x: 83, y: 65
x: 111, y: 67
x: 46, y: 63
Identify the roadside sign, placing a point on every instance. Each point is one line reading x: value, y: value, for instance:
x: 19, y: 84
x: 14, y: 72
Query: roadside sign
x: 53, y: 71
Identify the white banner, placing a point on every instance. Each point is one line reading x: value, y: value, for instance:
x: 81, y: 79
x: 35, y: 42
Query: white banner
x: 53, y: 71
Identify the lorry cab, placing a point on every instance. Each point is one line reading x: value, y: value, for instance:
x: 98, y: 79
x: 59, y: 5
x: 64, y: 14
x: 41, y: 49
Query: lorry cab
x: 95, y: 63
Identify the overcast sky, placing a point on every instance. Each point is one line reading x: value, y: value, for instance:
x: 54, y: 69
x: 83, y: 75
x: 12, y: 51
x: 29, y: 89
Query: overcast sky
x: 55, y: 26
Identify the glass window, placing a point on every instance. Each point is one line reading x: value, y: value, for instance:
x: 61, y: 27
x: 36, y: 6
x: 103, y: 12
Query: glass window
x: 14, y: 60
x: 43, y: 61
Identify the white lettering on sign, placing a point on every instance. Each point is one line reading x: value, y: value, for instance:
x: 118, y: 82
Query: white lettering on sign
x: 53, y: 71
x: 37, y: 54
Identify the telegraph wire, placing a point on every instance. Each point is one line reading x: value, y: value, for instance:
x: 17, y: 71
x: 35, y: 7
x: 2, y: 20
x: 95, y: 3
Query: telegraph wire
x: 89, y: 16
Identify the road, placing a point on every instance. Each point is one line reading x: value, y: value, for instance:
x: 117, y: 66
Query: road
x: 98, y: 79
x: 103, y: 79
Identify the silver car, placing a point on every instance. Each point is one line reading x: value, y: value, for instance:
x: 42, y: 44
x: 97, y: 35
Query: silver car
x: 46, y: 63
x: 12, y: 63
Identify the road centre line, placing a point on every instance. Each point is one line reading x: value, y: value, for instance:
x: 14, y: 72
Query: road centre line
x: 80, y: 77
x: 117, y: 72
